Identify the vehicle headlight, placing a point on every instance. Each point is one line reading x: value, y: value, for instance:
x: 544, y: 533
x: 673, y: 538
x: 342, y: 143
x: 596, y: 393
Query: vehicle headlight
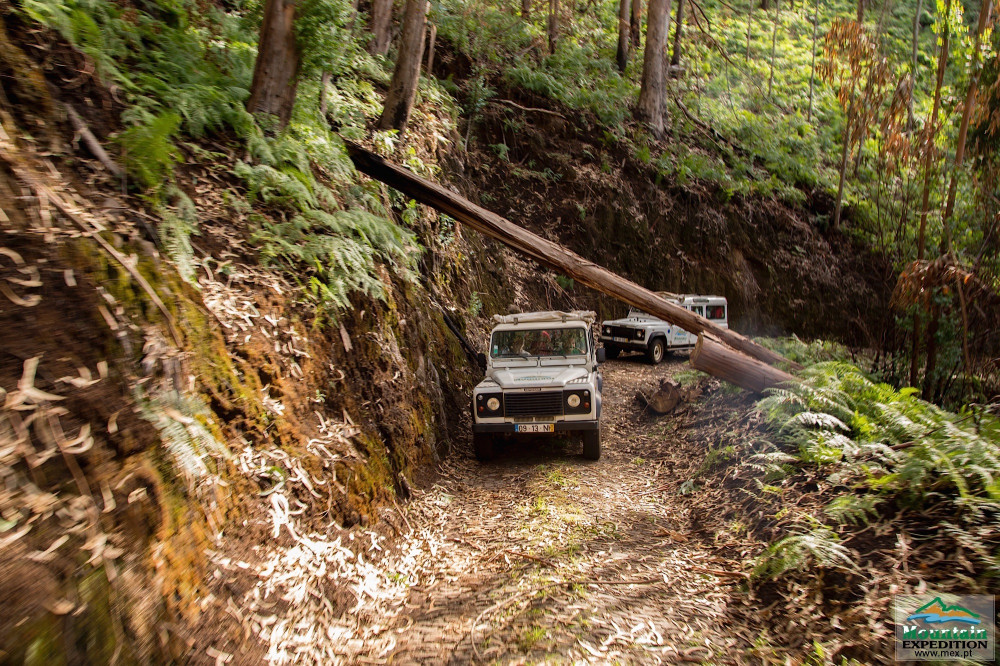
x: 493, y: 404
x: 607, y: 330
x: 573, y: 400
x: 641, y: 333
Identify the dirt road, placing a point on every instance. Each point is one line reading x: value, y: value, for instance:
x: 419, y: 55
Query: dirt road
x: 537, y: 556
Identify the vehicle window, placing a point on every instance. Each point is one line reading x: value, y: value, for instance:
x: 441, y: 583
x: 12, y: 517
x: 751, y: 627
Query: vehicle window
x: 698, y: 310
x: 539, y: 342
x: 716, y: 311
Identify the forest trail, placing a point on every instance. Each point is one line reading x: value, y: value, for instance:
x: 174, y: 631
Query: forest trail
x: 537, y: 555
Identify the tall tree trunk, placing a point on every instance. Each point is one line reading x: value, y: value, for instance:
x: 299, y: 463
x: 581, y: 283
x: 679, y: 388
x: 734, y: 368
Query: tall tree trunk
x: 624, y: 33
x: 635, y: 25
x: 861, y: 11
x: 749, y: 23
x: 553, y: 25
x: 403, y: 87
x: 929, y: 133
x: 653, y: 91
x: 963, y: 129
x: 774, y: 48
x: 276, y: 71
x: 432, y: 32
x: 675, y: 59
x: 381, y: 27
x: 843, y: 159
x: 526, y: 9
x: 812, y: 71
x: 913, y: 66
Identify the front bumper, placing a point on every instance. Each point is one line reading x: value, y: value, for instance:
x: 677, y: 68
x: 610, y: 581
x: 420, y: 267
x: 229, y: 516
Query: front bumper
x: 634, y: 345
x: 560, y: 426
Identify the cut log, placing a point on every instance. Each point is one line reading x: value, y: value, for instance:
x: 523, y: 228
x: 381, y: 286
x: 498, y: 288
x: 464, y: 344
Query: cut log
x: 549, y: 254
x: 716, y: 359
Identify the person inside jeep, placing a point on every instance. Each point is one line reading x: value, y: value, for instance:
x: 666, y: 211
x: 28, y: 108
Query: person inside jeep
x: 569, y: 342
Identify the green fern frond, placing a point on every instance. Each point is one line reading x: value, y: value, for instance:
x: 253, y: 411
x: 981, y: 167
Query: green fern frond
x: 819, y: 547
x: 148, y: 150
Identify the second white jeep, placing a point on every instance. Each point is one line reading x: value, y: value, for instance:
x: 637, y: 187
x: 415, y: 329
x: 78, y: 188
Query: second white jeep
x: 654, y: 337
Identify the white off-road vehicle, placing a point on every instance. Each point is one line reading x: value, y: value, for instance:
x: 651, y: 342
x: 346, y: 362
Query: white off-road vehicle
x: 541, y: 377
x: 645, y: 333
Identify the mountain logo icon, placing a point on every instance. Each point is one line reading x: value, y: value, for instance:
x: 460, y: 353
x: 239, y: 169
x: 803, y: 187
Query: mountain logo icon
x: 936, y: 611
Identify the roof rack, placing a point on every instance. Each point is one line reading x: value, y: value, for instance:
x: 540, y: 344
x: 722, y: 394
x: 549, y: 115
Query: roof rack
x: 553, y: 316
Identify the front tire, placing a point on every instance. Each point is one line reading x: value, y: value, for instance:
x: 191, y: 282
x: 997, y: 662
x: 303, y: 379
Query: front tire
x: 483, y: 445
x: 612, y: 352
x: 592, y: 444
x: 656, y: 351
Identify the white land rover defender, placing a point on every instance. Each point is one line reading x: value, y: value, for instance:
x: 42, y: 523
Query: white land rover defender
x: 541, y: 377
x: 645, y: 333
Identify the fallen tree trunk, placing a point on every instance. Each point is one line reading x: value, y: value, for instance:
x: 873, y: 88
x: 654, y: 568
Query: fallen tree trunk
x: 716, y: 359
x: 548, y: 253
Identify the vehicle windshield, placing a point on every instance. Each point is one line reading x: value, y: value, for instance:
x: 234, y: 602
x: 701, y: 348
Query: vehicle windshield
x: 539, y: 342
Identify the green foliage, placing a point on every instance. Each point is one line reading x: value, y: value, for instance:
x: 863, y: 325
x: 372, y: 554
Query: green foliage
x: 148, y: 150
x: 177, y: 224
x: 890, y: 447
x: 818, y: 547
x: 183, y: 423
x: 338, y: 250
x: 186, y: 69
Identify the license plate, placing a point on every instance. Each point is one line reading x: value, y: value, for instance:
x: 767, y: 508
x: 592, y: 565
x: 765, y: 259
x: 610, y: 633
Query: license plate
x: 620, y: 339
x: 535, y: 427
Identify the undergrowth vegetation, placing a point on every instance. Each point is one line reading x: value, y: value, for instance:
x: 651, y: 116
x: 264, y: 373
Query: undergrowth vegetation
x: 883, y: 451
x: 185, y: 70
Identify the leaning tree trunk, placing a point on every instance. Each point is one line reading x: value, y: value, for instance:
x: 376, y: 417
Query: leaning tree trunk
x: 403, y: 87
x: 624, y: 34
x: 675, y: 58
x: 653, y: 93
x: 276, y: 71
x: 549, y: 254
x: 635, y: 25
x: 381, y: 27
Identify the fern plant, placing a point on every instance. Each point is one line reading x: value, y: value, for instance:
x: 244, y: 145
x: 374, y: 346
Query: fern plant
x: 148, y: 149
x: 339, y: 251
x: 820, y: 546
x: 177, y: 224
x: 182, y: 421
x: 891, y: 447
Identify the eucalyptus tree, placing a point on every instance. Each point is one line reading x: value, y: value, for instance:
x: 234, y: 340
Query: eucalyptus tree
x: 406, y: 74
x: 653, y: 91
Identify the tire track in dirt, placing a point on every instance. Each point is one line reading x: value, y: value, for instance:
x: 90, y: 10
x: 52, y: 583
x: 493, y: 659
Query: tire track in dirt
x: 541, y: 554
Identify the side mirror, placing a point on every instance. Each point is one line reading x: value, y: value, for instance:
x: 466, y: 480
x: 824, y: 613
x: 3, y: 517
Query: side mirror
x: 601, y: 356
x: 481, y: 360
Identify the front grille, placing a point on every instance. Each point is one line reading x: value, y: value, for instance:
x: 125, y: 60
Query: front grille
x: 548, y: 403
x: 622, y: 332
